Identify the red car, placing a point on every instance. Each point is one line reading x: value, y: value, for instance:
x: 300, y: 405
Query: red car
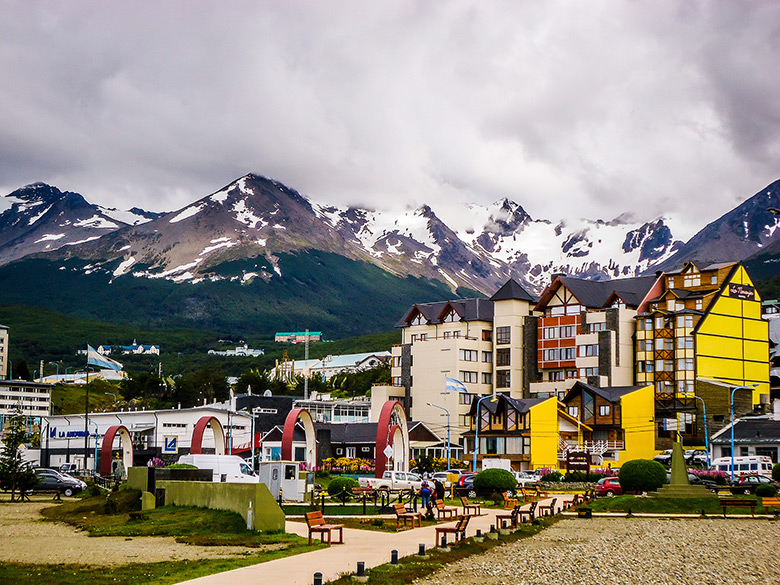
x: 608, y: 486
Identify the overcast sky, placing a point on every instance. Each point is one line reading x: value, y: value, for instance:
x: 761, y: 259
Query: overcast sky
x: 578, y: 108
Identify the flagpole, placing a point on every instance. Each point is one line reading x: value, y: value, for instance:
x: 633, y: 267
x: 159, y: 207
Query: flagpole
x: 86, y: 417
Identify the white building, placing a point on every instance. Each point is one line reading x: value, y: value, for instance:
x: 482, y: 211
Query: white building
x: 240, y: 351
x: 155, y: 433
x: 329, y: 366
x: 31, y: 399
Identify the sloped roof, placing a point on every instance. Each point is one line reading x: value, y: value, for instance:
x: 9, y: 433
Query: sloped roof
x: 595, y: 294
x: 349, y: 360
x: 753, y: 429
x: 468, y: 309
x: 513, y: 290
x: 612, y: 393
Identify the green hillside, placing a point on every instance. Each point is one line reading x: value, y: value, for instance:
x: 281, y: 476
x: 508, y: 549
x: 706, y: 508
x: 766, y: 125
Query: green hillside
x: 317, y: 290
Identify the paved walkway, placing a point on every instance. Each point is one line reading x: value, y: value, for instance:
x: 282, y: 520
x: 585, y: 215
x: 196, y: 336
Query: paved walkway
x: 369, y: 546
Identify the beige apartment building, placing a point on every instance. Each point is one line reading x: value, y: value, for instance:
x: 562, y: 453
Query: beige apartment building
x: 3, y: 352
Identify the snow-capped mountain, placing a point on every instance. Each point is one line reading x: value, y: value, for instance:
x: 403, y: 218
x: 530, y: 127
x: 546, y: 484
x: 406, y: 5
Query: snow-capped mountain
x: 40, y: 218
x: 238, y: 233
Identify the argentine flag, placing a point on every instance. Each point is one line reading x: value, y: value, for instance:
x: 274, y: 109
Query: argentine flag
x: 453, y: 385
x: 101, y: 361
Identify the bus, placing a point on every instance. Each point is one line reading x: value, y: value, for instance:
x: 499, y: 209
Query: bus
x: 745, y: 465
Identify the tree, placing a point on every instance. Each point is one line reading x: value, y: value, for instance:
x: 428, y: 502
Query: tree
x: 316, y: 384
x: 16, y: 474
x: 142, y: 385
x: 494, y: 480
x: 204, y: 384
x: 22, y: 371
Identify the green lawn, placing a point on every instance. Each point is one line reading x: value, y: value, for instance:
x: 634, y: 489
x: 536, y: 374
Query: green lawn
x: 651, y: 505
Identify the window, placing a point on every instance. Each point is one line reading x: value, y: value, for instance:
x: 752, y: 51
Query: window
x: 469, y: 355
x: 664, y: 365
x: 567, y: 353
x: 487, y: 357
x: 502, y: 379
x: 588, y: 406
x: 423, y: 336
x: 588, y: 350
x: 714, y: 279
x: 649, y: 324
x: 468, y: 377
x: 664, y: 343
x: 604, y: 410
x: 551, y: 355
x: 556, y: 376
x: 418, y: 320
x: 559, y: 310
x: 549, y: 332
x: 670, y: 282
x: 573, y: 309
x: 503, y: 335
x: 465, y: 398
x: 567, y: 331
x: 574, y: 411
x: 397, y: 381
x: 595, y: 327
x: 487, y: 378
x: 456, y: 334
x: 640, y: 324
x: 414, y: 337
x: 685, y: 321
x: 572, y: 373
x: 396, y: 361
x: 685, y: 386
x: 447, y: 334
x: 487, y: 335
x: 588, y: 372
x: 502, y: 357
x: 691, y: 280
x: 685, y: 342
x: 699, y: 304
x: 685, y: 364
x: 670, y: 304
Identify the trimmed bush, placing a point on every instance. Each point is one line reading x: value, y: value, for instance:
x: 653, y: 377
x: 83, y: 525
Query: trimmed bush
x: 552, y: 477
x: 776, y: 472
x: 766, y: 491
x: 341, y: 488
x: 582, y: 477
x: 642, y: 475
x: 494, y: 480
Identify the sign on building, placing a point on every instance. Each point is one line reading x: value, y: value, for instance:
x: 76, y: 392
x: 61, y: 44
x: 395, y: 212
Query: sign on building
x: 170, y: 445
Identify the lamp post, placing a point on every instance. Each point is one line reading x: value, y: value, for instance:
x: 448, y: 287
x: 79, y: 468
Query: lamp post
x: 706, y: 435
x: 58, y: 370
x: 447, y: 412
x: 476, y: 432
x: 731, y: 401
x: 86, y: 418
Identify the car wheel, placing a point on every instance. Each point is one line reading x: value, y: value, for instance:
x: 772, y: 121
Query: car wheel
x: 68, y: 492
x: 609, y: 493
x: 472, y: 494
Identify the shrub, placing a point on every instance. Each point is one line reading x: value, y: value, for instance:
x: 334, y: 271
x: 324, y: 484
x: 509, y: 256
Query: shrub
x: 494, y: 480
x: 341, y: 488
x: 642, y: 475
x: 776, y: 472
x: 766, y: 491
x: 181, y: 466
x: 582, y: 477
x: 552, y: 477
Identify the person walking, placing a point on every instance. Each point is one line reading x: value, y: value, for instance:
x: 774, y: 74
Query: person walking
x: 425, y: 494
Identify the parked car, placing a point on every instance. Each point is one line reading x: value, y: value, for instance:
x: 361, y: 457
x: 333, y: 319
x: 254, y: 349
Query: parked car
x: 747, y: 484
x: 664, y: 458
x: 465, y: 485
x: 69, y: 468
x: 694, y: 479
x: 608, y: 486
x: 695, y: 457
x: 523, y: 478
x: 50, y: 480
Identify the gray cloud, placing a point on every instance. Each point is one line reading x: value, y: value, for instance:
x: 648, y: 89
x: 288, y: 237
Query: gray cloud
x: 593, y: 108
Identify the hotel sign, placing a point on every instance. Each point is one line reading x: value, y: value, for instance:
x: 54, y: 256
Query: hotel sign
x: 744, y: 292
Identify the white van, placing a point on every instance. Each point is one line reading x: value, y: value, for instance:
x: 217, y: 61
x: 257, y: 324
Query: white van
x: 745, y: 465
x: 226, y: 468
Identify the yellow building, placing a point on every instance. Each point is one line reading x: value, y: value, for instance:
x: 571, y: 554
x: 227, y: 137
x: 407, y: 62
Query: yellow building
x: 705, y: 325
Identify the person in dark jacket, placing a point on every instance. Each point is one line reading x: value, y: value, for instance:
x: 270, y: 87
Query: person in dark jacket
x: 438, y: 489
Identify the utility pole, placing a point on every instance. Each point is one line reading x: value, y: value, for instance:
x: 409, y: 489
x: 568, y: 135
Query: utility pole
x: 306, y: 358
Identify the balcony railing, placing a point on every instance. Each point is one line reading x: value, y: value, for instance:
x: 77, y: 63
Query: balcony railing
x: 591, y: 447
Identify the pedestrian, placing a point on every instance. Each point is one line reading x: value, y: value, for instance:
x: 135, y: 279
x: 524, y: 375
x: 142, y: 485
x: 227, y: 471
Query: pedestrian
x: 438, y: 489
x: 425, y: 494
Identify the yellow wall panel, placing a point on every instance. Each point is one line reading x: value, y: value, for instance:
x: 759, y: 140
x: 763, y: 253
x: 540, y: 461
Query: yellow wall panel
x: 756, y: 350
x: 718, y: 346
x: 544, y: 434
x: 638, y: 410
x: 709, y: 367
x: 756, y: 329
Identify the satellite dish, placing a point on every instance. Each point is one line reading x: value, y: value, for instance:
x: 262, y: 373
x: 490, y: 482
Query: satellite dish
x: 267, y: 393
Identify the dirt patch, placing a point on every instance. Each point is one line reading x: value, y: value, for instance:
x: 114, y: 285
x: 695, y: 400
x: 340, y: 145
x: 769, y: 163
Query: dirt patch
x: 27, y: 538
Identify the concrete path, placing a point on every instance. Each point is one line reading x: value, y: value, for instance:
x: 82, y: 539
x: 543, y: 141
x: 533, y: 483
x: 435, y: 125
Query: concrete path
x: 369, y: 546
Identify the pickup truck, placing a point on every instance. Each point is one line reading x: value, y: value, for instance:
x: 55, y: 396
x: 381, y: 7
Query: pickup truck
x: 393, y: 481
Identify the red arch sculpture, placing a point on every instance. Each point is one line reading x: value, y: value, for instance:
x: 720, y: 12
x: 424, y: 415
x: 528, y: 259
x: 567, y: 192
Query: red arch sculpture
x: 292, y: 419
x: 196, y: 446
x: 107, y: 448
x: 391, y: 427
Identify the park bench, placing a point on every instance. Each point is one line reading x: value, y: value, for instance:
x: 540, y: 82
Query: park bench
x: 401, y: 513
x: 363, y: 491
x: 530, y: 512
x: 541, y: 495
x: 459, y: 530
x: 469, y: 507
x: 544, y: 508
x: 738, y: 503
x: 526, y: 496
x: 509, y: 502
x: 442, y: 510
x: 770, y: 503
x: 316, y: 523
x: 512, y: 518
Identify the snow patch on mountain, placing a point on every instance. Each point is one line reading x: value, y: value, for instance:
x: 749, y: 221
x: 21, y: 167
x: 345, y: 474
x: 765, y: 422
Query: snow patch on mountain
x: 187, y: 212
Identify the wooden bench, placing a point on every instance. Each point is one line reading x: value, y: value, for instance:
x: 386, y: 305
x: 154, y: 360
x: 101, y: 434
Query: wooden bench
x: 544, y: 508
x: 442, y: 510
x: 401, y: 513
x: 530, y: 512
x: 512, y: 518
x: 526, y: 496
x: 509, y: 502
x: 468, y: 507
x: 459, y: 530
x: 363, y: 491
x: 316, y: 523
x: 541, y: 495
x: 738, y: 503
x: 770, y: 503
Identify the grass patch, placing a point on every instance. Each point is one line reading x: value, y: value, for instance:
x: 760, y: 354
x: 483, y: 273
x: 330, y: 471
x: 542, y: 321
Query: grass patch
x: 415, y: 567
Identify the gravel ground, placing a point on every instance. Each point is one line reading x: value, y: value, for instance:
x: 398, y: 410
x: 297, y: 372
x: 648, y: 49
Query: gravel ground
x: 629, y: 551
x: 26, y: 538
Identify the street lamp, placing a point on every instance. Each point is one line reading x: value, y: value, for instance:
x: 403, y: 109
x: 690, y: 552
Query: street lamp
x: 731, y: 401
x: 58, y: 370
x: 448, y: 429
x: 706, y: 435
x: 493, y: 398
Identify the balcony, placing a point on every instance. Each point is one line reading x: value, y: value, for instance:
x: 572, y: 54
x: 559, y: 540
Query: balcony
x: 590, y: 447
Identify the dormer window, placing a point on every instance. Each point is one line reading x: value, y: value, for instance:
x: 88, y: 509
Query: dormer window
x: 450, y: 317
x: 418, y: 319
